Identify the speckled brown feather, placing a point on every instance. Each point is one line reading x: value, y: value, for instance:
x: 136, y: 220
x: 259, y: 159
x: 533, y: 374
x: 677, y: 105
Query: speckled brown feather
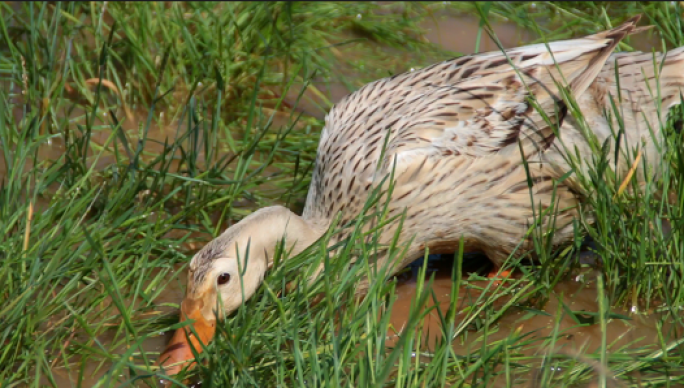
x: 453, y: 131
x: 649, y: 85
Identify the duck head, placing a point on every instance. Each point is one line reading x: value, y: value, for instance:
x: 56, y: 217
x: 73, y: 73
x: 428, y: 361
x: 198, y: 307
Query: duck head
x: 227, y: 272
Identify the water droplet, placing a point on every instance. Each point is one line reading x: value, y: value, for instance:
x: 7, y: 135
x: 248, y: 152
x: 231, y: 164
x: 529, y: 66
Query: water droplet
x: 358, y: 16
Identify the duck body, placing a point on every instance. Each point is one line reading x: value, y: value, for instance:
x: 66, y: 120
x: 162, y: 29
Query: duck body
x: 451, y: 140
x: 453, y: 131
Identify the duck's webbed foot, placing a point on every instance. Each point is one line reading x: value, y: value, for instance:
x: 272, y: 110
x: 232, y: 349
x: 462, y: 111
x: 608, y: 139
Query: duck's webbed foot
x: 496, y: 272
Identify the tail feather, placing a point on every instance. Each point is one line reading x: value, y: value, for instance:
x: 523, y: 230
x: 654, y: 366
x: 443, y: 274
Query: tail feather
x: 581, y: 83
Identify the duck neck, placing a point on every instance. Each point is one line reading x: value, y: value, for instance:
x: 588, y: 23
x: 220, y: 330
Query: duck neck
x: 298, y: 232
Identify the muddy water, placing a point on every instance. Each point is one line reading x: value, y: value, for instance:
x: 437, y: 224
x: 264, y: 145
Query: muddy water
x: 572, y: 339
x: 94, y: 370
x: 552, y: 333
x: 456, y: 34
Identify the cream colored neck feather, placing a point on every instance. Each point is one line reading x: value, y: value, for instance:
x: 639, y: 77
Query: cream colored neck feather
x: 268, y: 226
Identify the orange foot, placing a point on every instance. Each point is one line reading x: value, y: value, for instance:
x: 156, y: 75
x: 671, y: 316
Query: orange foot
x: 499, y: 275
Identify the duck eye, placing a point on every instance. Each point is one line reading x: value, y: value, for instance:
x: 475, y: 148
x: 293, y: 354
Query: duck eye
x: 223, y: 278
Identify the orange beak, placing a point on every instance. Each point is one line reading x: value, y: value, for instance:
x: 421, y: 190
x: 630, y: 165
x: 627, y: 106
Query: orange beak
x: 178, y: 352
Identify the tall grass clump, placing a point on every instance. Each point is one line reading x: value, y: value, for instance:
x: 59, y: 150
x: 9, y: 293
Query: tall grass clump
x: 132, y: 133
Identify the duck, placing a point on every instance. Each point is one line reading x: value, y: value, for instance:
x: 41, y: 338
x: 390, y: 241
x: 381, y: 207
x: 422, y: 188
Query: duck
x: 448, y: 143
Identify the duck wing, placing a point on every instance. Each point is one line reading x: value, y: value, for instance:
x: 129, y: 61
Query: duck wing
x: 483, y: 104
x: 469, y: 107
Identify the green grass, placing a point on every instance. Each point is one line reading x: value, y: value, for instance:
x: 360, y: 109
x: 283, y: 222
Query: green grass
x: 130, y: 134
